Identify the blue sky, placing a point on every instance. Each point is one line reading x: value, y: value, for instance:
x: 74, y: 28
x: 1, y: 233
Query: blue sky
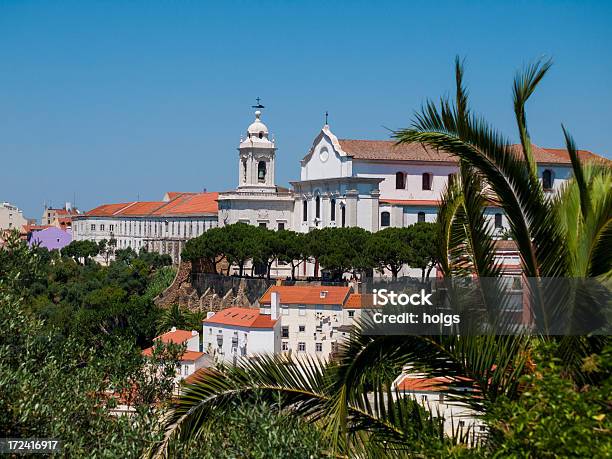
x: 108, y: 101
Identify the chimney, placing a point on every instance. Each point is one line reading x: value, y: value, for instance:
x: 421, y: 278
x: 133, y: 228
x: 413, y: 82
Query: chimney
x: 173, y: 329
x: 68, y: 206
x: 323, y: 294
x: 209, y: 314
x: 194, y: 333
x: 274, y: 305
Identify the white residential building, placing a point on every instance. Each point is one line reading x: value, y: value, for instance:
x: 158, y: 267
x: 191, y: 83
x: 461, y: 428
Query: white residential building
x: 160, y: 226
x: 235, y: 333
x: 11, y: 217
x: 432, y: 394
x: 314, y: 318
x: 192, y: 359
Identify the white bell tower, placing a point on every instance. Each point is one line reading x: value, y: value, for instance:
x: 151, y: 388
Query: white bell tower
x: 256, y: 157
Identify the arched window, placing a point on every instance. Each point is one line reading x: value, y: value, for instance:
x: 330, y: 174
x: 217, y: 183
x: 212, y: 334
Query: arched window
x: 547, y: 179
x: 261, y: 171
x: 400, y: 183
x: 261, y: 134
x: 343, y: 215
x: 244, y: 170
x: 426, y: 181
x: 305, y: 210
x: 498, y: 220
x: 332, y: 203
x: 385, y: 219
x: 421, y: 217
x: 318, y: 206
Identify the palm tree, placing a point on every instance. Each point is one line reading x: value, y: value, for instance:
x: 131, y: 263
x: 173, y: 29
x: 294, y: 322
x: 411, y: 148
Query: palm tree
x: 178, y: 317
x: 352, y: 398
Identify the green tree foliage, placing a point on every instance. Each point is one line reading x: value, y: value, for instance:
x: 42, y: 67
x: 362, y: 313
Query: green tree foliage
x: 178, y: 317
x: 83, y: 250
x: 390, y: 249
x: 65, y: 389
x: 423, y: 241
x: 253, y: 429
x: 338, y: 250
x: 552, y: 416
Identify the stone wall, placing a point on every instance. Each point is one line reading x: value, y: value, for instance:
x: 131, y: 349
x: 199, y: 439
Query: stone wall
x: 206, y: 291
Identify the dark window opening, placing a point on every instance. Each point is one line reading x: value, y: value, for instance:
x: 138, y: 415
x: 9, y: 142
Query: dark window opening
x: 281, y: 226
x: 343, y: 216
x: 427, y: 181
x: 400, y: 182
x: 421, y: 217
x: 305, y: 211
x: 261, y: 172
x: 547, y: 179
x: 333, y: 210
x: 385, y: 219
x: 261, y: 135
x: 318, y: 207
x: 498, y: 220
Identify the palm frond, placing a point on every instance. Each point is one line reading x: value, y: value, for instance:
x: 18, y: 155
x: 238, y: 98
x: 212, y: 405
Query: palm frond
x: 525, y: 84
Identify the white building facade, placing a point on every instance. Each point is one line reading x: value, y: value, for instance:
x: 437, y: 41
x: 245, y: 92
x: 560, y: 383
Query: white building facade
x: 237, y: 333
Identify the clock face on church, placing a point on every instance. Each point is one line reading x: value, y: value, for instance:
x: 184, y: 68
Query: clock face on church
x: 323, y: 154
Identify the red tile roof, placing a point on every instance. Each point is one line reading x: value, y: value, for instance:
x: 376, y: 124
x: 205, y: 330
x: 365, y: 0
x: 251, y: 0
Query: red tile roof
x: 307, y: 294
x: 181, y: 204
x: 191, y: 356
x: 388, y: 150
x: 139, y: 208
x: 28, y: 228
x: 241, y: 317
x: 191, y: 204
x: 175, y: 194
x: 176, y: 337
x: 188, y: 356
x: 198, y: 375
x: 356, y: 301
x: 106, y: 210
x: 507, y: 245
x: 412, y: 384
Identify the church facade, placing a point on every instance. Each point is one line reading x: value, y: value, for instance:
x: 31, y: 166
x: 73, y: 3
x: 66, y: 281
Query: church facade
x: 372, y: 184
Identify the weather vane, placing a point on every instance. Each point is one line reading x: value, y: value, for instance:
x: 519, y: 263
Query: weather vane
x: 326, y: 114
x: 258, y: 104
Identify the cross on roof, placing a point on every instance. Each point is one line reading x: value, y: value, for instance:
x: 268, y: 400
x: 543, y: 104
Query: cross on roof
x: 258, y: 103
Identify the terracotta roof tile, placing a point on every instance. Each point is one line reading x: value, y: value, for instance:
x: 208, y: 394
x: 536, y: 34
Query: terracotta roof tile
x: 106, y: 210
x: 503, y: 244
x: 307, y: 294
x: 198, y: 375
x: 177, y: 336
x: 412, y: 384
x: 355, y: 301
x: 241, y: 317
x: 180, y: 204
x: 388, y: 150
x: 191, y: 356
x: 190, y: 204
x: 188, y: 356
x: 141, y: 208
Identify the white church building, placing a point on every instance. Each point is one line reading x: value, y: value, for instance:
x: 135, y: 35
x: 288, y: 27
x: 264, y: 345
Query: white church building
x: 371, y: 184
